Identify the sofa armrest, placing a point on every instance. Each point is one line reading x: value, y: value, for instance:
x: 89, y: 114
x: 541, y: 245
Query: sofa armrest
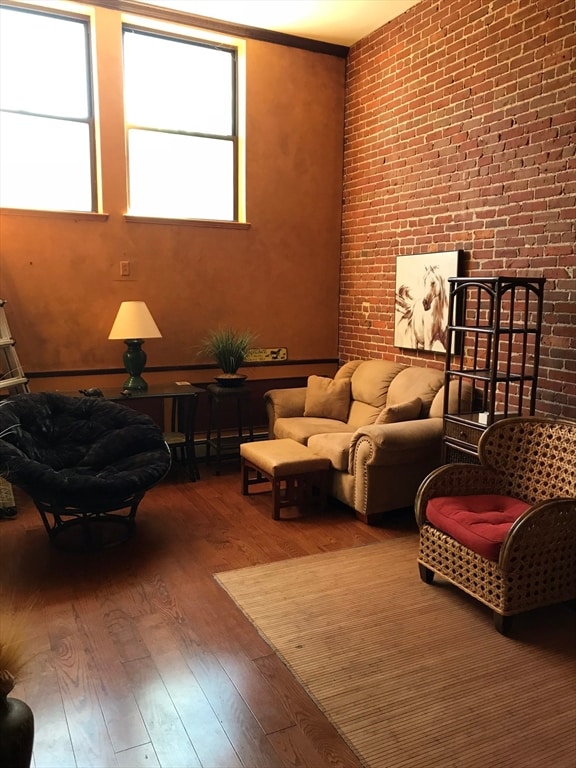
x: 398, y: 443
x: 283, y: 403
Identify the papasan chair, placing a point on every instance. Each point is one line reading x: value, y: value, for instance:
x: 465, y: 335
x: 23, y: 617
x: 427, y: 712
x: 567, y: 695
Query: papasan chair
x: 85, y: 462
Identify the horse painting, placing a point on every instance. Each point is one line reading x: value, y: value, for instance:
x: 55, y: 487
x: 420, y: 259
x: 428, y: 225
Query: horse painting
x: 422, y: 308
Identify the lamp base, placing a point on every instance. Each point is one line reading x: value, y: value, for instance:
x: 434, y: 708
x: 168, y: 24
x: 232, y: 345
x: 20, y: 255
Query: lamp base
x: 134, y: 362
x: 135, y: 384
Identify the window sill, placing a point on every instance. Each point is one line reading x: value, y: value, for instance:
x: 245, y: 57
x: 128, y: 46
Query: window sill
x: 76, y: 215
x: 130, y: 219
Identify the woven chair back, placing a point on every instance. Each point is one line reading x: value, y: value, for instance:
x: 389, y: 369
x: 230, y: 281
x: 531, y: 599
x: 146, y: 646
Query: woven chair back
x: 534, y: 456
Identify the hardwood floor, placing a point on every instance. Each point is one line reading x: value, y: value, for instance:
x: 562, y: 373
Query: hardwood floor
x: 139, y: 658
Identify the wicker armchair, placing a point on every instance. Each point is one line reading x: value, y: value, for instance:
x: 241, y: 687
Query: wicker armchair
x: 533, y: 560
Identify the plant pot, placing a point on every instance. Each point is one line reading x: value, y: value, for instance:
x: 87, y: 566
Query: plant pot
x: 230, y: 379
x: 16, y: 733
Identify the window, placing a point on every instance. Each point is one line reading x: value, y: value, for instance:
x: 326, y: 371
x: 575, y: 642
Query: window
x: 180, y: 111
x: 46, y: 112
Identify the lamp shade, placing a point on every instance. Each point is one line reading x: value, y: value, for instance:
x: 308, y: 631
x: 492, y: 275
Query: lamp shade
x: 134, y: 321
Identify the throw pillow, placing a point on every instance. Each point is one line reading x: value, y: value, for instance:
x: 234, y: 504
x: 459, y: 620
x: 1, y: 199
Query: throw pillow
x: 407, y: 411
x: 327, y: 398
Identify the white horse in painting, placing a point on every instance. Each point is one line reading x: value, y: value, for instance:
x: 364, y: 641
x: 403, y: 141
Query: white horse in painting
x: 424, y: 311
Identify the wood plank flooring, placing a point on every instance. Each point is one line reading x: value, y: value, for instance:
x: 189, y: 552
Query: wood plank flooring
x: 137, y: 656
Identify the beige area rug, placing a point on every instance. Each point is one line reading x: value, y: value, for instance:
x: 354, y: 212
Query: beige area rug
x: 414, y: 675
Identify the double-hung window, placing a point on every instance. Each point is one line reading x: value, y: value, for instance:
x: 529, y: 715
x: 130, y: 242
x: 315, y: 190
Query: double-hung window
x: 47, y: 154
x: 181, y: 122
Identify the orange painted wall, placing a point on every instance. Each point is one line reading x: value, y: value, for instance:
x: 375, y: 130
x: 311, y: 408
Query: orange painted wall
x: 60, y: 274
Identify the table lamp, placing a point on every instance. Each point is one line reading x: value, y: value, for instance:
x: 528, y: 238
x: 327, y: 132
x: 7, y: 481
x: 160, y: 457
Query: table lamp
x: 133, y: 324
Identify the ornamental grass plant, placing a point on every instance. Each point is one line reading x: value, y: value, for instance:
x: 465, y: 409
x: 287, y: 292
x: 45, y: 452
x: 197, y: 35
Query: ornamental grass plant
x: 227, y: 347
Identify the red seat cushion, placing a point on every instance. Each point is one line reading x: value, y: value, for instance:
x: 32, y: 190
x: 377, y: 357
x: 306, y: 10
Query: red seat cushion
x: 479, y: 522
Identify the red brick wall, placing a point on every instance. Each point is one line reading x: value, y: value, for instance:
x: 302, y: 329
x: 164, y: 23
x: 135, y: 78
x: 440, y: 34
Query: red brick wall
x: 461, y: 134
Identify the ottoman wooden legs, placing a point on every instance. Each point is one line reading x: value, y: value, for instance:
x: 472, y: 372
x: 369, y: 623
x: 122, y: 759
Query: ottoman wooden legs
x: 295, y: 473
x: 291, y: 491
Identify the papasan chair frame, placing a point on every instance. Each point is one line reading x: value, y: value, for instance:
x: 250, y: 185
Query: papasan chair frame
x: 532, y: 459
x: 85, y: 462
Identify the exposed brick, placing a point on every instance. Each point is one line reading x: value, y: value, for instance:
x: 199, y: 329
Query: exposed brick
x: 460, y: 128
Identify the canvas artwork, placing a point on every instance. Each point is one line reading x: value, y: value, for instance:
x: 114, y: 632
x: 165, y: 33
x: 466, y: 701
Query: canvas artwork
x: 421, y: 301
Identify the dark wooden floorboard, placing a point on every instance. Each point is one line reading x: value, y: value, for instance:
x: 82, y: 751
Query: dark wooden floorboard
x: 167, y: 733
x: 138, y: 757
x: 139, y: 658
x: 197, y: 715
x: 40, y: 689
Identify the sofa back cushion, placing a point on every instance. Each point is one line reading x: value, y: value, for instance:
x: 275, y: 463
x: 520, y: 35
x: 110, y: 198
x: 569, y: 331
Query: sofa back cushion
x: 345, y: 371
x: 416, y: 382
x: 459, y: 400
x: 370, y: 382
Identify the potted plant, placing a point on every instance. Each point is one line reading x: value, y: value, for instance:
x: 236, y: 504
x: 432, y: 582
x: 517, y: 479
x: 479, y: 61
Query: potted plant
x: 229, y: 349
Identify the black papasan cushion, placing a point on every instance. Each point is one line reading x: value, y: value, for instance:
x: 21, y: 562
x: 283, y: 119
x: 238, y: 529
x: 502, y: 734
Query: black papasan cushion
x: 81, y: 452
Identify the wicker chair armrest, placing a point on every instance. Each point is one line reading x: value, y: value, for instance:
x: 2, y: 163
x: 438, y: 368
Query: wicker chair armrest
x: 283, y: 403
x: 455, y: 480
x: 546, y: 530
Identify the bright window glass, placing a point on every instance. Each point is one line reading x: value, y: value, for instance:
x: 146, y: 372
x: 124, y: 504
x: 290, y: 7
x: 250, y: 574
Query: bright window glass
x: 180, y: 114
x: 180, y: 176
x: 46, y: 127
x: 48, y: 165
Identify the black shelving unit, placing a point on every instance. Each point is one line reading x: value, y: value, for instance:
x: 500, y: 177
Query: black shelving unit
x: 493, y: 350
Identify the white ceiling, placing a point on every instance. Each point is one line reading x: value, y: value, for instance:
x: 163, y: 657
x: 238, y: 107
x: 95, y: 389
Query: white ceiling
x: 342, y: 22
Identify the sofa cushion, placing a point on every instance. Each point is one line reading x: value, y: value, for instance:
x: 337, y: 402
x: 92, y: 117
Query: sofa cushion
x: 479, y: 522
x: 327, y: 398
x: 334, y: 446
x: 301, y: 428
x: 407, y: 411
x: 370, y: 383
x: 416, y: 382
x: 459, y: 400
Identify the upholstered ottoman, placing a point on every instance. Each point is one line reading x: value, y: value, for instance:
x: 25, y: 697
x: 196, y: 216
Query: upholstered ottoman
x: 293, y: 470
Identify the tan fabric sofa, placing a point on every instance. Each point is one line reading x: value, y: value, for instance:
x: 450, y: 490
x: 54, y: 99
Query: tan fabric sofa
x: 376, y: 467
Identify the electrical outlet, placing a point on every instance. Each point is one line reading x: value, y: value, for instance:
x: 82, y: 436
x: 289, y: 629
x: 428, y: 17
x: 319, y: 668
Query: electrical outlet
x: 124, y: 269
